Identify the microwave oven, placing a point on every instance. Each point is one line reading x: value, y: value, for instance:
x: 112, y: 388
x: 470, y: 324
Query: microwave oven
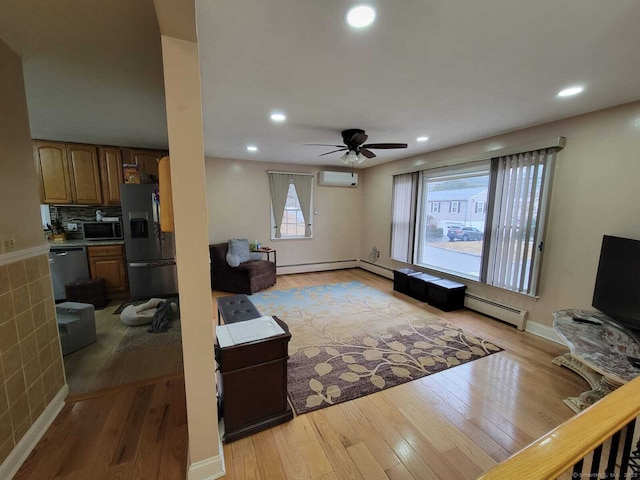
x: 102, y: 230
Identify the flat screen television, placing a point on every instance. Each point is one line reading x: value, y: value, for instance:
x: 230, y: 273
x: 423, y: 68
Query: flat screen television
x: 617, y: 290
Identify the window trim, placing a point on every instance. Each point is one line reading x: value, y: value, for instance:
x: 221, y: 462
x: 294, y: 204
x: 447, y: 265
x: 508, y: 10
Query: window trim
x: 311, y: 214
x: 421, y: 165
x: 434, y: 170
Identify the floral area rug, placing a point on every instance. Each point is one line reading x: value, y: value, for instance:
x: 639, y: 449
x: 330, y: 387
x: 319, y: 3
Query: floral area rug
x: 349, y: 340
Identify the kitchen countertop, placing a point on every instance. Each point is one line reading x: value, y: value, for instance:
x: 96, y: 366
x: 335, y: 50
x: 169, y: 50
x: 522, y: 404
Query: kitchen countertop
x: 83, y: 243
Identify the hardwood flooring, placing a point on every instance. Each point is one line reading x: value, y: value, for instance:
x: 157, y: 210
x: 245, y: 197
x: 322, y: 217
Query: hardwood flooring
x: 96, y: 366
x: 134, y: 432
x: 455, y: 424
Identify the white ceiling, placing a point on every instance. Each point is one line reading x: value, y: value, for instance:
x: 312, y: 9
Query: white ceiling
x: 92, y: 69
x: 451, y: 69
x: 455, y: 70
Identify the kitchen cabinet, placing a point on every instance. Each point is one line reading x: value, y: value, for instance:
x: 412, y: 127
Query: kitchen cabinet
x: 110, y: 174
x: 147, y: 160
x: 67, y: 173
x: 84, y: 174
x: 108, y: 262
x: 52, y: 169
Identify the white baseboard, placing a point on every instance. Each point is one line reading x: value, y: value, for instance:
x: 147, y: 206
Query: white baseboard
x: 22, y: 450
x: 316, y: 267
x: 208, y: 469
x: 377, y: 269
x: 544, y: 332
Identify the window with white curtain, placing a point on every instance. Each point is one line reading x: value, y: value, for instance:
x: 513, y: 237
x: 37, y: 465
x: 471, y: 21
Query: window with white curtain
x: 495, y: 232
x: 291, y: 204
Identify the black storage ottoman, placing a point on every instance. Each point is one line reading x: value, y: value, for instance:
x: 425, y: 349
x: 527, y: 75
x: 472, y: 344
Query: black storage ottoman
x: 236, y: 308
x: 401, y: 279
x: 87, y: 291
x: 446, y: 295
x: 419, y: 285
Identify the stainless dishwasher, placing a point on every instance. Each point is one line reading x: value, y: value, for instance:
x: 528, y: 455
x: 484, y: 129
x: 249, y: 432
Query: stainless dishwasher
x: 68, y: 265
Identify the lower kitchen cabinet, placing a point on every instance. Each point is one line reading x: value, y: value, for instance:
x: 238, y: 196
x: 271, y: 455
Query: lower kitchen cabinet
x: 109, y: 262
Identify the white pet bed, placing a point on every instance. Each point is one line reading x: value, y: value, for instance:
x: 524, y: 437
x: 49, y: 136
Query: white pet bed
x: 136, y: 315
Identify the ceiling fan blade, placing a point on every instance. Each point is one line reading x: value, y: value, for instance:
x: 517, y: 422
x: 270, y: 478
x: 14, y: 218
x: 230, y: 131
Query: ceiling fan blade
x: 334, y: 151
x: 359, y: 138
x: 367, y: 153
x: 323, y: 145
x: 385, y: 145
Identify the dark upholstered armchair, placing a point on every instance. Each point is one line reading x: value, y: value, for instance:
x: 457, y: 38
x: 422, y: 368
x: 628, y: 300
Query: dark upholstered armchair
x: 249, y: 277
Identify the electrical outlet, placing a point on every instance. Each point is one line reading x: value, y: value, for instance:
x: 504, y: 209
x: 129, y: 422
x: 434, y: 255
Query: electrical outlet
x: 9, y: 242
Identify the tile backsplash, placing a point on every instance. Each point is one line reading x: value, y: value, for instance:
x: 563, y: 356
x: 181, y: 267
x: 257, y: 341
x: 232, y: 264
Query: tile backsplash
x: 31, y: 368
x: 72, y: 214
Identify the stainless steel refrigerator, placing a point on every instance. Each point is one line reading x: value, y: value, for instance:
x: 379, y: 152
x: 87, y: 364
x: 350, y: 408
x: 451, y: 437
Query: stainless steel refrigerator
x: 150, y: 253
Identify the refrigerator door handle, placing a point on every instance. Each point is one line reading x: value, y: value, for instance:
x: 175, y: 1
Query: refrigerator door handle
x: 160, y: 263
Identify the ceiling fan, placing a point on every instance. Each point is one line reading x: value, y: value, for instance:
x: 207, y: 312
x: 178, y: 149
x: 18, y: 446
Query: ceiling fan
x: 356, y: 150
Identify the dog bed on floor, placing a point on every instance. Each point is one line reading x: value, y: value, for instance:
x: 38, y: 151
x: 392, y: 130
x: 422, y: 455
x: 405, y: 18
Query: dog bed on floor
x: 136, y: 315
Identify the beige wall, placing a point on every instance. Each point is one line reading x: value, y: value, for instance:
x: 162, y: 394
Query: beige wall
x: 31, y: 370
x: 19, y: 198
x: 240, y: 207
x: 595, y: 192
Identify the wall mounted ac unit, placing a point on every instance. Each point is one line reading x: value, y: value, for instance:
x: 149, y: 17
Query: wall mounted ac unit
x: 337, y: 179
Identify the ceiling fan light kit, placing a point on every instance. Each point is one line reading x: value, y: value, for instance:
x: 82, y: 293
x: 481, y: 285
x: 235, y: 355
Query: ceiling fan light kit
x: 356, y: 151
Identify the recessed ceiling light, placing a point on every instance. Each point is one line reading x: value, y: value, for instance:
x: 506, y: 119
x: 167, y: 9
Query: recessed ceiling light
x: 252, y: 148
x: 278, y: 117
x: 361, y: 16
x: 422, y: 139
x: 567, y: 92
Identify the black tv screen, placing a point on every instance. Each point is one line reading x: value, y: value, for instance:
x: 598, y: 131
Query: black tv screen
x: 617, y: 291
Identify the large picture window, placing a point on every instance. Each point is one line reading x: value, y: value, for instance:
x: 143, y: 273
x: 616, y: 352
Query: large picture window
x: 493, y: 230
x: 452, y: 240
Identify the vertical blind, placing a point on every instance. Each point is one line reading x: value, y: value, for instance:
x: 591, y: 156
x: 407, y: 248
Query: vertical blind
x: 403, y: 216
x: 519, y: 210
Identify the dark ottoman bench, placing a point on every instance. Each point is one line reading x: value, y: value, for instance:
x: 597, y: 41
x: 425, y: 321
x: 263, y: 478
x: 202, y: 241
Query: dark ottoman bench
x: 401, y: 279
x: 236, y: 308
x: 419, y: 285
x: 446, y: 295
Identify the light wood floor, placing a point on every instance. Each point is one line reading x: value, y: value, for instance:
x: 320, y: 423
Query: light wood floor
x: 96, y: 366
x: 134, y: 432
x: 455, y: 424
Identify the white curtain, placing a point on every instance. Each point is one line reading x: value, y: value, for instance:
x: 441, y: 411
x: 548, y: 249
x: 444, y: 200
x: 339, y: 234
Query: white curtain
x: 518, y: 218
x: 279, y: 188
x: 303, y: 184
x: 403, y: 216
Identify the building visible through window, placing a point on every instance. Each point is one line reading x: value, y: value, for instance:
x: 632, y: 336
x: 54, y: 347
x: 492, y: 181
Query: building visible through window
x: 503, y: 249
x: 292, y: 219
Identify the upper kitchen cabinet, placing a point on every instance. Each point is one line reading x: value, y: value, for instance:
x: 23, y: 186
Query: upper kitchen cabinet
x: 84, y: 174
x: 53, y: 172
x: 67, y: 173
x: 111, y: 174
x: 147, y: 160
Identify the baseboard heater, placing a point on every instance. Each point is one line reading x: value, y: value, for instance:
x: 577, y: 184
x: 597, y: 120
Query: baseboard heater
x: 506, y: 313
